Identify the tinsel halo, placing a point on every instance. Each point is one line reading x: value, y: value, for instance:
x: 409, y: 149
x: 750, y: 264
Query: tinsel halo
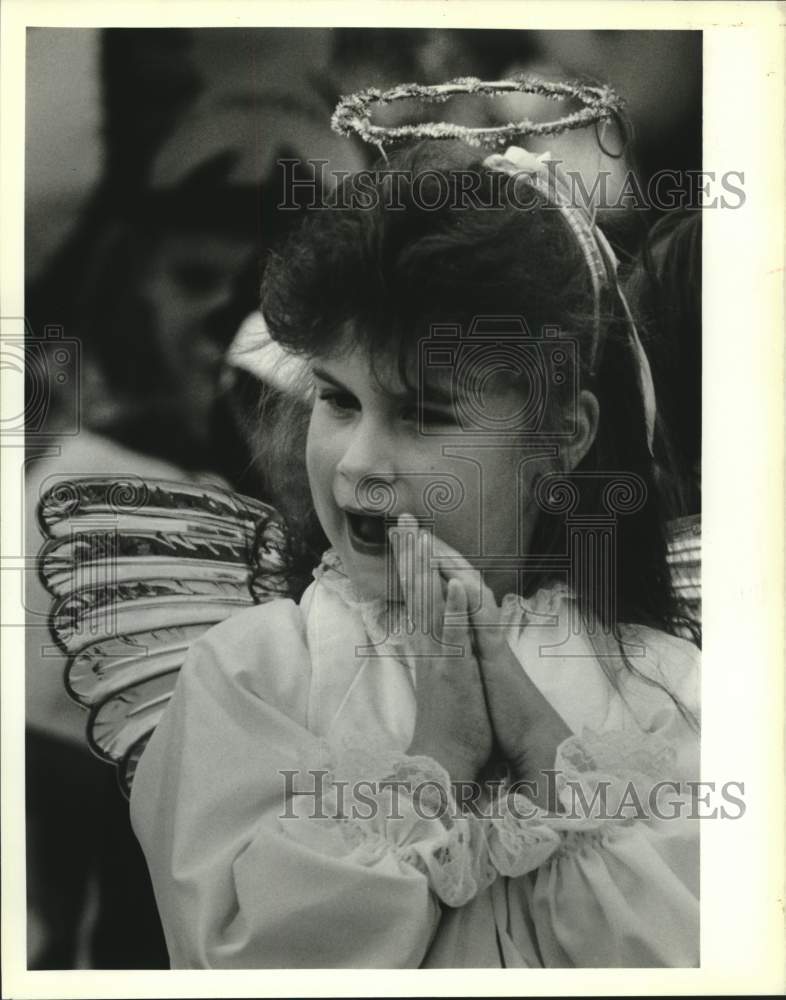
x: 353, y: 113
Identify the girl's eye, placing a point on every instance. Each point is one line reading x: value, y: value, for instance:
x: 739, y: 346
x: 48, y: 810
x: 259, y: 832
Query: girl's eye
x: 428, y: 417
x: 339, y: 402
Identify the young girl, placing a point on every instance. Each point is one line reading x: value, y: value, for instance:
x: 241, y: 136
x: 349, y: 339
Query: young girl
x: 450, y: 752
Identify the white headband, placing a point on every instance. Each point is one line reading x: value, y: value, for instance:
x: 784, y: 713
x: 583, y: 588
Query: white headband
x: 544, y: 174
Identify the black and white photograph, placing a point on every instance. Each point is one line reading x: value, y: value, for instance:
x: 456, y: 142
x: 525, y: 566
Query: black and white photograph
x: 375, y: 473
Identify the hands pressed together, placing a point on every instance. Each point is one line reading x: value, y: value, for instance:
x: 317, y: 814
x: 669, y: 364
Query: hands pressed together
x: 474, y: 702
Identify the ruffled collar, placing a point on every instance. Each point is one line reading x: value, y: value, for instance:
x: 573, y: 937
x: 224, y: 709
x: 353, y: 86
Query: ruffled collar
x: 517, y: 612
x: 333, y: 577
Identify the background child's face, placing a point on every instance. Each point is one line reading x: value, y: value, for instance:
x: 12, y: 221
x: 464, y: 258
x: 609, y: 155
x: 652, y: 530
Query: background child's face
x: 373, y: 447
x: 189, y: 280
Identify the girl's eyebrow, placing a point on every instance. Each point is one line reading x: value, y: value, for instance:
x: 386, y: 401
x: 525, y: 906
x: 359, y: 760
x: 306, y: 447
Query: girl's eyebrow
x: 433, y: 394
x: 324, y: 377
x: 429, y: 394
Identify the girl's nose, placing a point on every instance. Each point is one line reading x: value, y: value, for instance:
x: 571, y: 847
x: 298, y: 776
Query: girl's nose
x: 368, y: 459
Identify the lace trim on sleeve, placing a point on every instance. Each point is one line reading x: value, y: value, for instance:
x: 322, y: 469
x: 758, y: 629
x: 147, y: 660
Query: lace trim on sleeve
x: 520, y: 839
x: 603, y: 781
x: 384, y: 804
x: 616, y: 772
x: 381, y: 805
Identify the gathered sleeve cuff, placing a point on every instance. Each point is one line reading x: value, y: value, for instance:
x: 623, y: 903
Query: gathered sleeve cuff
x: 611, y: 879
x: 382, y: 807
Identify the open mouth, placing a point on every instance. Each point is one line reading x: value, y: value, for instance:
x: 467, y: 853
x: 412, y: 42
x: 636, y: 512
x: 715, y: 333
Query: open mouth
x: 367, y: 532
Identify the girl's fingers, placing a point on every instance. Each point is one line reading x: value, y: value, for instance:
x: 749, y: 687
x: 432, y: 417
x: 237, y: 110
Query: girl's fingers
x: 435, y: 584
x: 454, y: 566
x: 455, y: 627
x: 420, y: 582
x: 427, y: 604
x: 423, y: 561
x: 484, y: 615
x: 403, y: 547
x: 413, y: 570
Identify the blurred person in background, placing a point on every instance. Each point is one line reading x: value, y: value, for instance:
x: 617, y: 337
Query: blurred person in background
x: 154, y: 282
x: 155, y: 312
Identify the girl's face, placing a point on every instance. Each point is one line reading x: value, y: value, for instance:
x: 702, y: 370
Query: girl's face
x: 374, y: 448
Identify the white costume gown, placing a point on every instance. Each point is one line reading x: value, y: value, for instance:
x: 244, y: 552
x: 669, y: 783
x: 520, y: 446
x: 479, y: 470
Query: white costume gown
x: 247, y: 876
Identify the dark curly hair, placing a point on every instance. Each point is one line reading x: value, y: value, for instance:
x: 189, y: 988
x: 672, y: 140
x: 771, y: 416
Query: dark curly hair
x: 391, y: 272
